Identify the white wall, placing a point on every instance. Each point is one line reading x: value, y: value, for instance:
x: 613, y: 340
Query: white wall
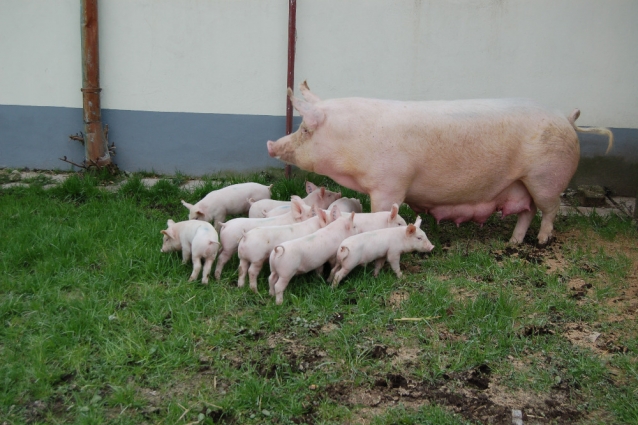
x: 564, y: 53
x: 229, y: 56
x: 40, y: 53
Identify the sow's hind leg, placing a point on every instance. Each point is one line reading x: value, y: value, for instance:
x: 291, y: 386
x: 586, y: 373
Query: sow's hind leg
x: 545, y: 192
x: 550, y: 173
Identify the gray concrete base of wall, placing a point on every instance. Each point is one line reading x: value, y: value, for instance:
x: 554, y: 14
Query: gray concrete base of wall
x: 203, y: 144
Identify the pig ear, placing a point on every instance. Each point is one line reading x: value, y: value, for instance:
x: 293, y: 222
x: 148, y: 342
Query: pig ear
x: 187, y: 205
x: 394, y: 211
x: 167, y: 232
x: 310, y: 187
x: 312, y: 116
x: 335, y: 213
x: 417, y: 223
x: 323, y: 192
x: 170, y: 222
x: 351, y: 219
x: 295, y: 198
x: 307, y: 94
x: 296, y: 207
x: 322, y: 215
x: 410, y: 230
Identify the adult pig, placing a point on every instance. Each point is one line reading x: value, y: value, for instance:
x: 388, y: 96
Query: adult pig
x: 458, y: 160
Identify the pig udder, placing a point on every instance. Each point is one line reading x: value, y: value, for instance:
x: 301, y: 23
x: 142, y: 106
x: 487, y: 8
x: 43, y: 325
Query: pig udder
x: 512, y: 200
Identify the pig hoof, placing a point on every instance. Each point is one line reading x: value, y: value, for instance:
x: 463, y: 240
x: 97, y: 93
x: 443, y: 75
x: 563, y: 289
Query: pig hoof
x: 254, y: 289
x: 545, y: 244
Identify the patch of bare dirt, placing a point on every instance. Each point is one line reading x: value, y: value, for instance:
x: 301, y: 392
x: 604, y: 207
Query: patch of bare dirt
x: 583, y: 335
x: 397, y: 298
x: 158, y: 399
x: 471, y: 394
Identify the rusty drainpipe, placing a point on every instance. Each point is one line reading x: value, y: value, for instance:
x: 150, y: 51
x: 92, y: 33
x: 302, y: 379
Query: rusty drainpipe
x: 292, y: 37
x: 96, y: 150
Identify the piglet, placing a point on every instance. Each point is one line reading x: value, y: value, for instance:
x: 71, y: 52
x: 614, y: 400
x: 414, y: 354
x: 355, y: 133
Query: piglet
x: 319, y: 196
x: 256, y: 245
x: 367, y: 222
x: 228, y: 200
x: 380, y: 245
x: 308, y: 253
x: 197, y: 240
x: 233, y: 230
x: 347, y: 205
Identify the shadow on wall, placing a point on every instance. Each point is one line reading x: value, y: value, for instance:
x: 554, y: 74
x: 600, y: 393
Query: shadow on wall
x: 617, y: 171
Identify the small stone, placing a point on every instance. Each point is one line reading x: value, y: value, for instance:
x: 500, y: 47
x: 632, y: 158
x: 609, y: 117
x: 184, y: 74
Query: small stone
x: 265, y: 412
x: 517, y: 417
x: 313, y: 387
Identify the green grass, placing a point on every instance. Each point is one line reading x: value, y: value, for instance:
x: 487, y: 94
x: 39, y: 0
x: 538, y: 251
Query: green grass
x: 100, y: 327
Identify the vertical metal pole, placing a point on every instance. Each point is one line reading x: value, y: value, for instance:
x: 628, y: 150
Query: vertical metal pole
x: 95, y: 145
x: 292, y: 38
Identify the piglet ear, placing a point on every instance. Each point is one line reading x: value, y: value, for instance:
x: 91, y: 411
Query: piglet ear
x: 323, y: 217
x: 417, y: 223
x: 187, y: 205
x: 351, y: 220
x: 296, y: 207
x: 335, y: 213
x: 394, y: 211
x: 167, y: 233
x: 410, y: 230
x: 322, y: 193
x: 312, y: 116
x: 310, y: 187
x: 170, y: 222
